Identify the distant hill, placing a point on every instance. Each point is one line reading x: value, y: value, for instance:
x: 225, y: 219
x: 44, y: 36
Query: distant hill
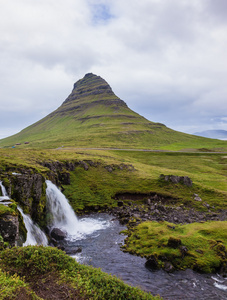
x: 93, y: 116
x: 213, y: 134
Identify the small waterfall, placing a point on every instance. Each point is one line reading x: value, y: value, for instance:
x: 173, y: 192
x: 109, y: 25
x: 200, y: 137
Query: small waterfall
x: 63, y: 217
x: 4, y: 199
x: 35, y: 236
x: 4, y: 193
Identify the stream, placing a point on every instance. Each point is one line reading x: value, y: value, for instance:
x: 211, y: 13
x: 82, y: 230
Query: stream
x: 101, y: 249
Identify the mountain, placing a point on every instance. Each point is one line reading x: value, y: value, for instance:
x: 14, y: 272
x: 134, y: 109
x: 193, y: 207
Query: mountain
x: 213, y: 134
x: 93, y: 116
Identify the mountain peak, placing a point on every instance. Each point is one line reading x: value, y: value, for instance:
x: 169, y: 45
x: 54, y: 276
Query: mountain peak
x: 90, y: 85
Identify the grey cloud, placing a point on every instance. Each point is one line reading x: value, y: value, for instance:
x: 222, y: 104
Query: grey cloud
x: 154, y: 54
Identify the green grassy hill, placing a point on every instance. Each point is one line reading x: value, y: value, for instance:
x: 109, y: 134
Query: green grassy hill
x: 93, y: 116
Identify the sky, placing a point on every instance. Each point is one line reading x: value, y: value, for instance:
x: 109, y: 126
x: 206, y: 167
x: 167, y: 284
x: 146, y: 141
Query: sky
x: 167, y: 59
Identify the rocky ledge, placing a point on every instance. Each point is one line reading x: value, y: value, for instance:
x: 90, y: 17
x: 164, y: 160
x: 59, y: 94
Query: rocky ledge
x: 158, y: 211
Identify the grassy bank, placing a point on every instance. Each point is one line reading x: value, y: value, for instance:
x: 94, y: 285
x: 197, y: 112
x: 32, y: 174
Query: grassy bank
x: 199, y: 246
x: 39, y: 272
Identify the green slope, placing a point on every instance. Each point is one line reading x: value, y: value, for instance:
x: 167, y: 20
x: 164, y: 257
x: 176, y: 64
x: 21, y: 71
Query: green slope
x: 93, y: 116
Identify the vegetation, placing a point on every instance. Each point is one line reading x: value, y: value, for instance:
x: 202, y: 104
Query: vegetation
x: 42, y: 271
x: 111, y: 172
x: 199, y: 246
x: 93, y: 117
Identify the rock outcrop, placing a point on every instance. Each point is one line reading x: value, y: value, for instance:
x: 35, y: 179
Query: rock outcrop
x: 177, y: 179
x: 28, y: 189
x: 9, y: 229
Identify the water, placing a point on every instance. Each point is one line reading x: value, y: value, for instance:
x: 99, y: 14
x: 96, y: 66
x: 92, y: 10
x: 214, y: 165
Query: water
x: 4, y: 194
x: 35, y: 236
x: 63, y: 217
x: 98, y: 237
x: 101, y: 249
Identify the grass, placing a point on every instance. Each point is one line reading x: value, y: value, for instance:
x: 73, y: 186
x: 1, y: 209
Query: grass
x: 29, y: 264
x: 97, y: 186
x: 206, y: 244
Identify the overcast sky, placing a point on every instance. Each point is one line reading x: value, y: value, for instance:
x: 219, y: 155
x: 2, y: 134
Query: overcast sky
x: 167, y: 59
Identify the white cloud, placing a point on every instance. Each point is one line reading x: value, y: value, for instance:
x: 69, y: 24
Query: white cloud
x: 166, y: 59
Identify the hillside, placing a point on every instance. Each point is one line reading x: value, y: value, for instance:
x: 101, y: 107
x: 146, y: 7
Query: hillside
x: 93, y: 116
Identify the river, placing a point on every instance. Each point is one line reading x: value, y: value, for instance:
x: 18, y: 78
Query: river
x: 101, y: 249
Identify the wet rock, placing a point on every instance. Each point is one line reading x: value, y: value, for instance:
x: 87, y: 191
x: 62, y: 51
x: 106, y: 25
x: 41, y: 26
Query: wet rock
x: 58, y: 234
x: 72, y: 251
x: 152, y: 263
x: 168, y: 267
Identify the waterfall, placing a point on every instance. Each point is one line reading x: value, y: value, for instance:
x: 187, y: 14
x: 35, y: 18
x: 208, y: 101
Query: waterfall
x: 35, y: 236
x: 63, y: 217
x: 4, y: 193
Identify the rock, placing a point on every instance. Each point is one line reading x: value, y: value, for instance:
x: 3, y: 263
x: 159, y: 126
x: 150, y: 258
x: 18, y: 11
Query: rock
x: 73, y: 251
x: 58, y: 234
x: 174, y: 242
x: 177, y: 179
x: 152, y: 263
x: 197, y: 198
x: 206, y: 205
x: 147, y: 201
x: 29, y: 190
x: 9, y: 229
x: 109, y: 169
x: 85, y: 166
x: 155, y: 197
x: 171, y: 227
x: 183, y: 250
x: 120, y: 203
x: 168, y: 267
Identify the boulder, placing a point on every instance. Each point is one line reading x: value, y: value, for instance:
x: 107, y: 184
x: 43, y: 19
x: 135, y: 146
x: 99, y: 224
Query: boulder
x: 152, y: 263
x: 168, y: 267
x: 58, y: 234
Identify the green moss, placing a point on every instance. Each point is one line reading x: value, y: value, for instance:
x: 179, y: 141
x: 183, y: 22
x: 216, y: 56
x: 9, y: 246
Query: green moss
x: 91, y: 283
x: 199, y: 246
x: 10, y: 286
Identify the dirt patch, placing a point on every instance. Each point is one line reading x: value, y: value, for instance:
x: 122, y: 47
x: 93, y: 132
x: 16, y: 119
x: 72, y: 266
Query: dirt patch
x: 49, y: 287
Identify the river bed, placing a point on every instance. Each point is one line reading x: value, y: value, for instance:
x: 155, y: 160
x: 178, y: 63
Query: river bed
x: 101, y: 249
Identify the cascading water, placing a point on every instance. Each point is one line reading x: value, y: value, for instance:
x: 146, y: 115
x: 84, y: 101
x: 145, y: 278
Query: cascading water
x: 4, y: 199
x: 35, y: 236
x: 4, y: 194
x: 63, y: 217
